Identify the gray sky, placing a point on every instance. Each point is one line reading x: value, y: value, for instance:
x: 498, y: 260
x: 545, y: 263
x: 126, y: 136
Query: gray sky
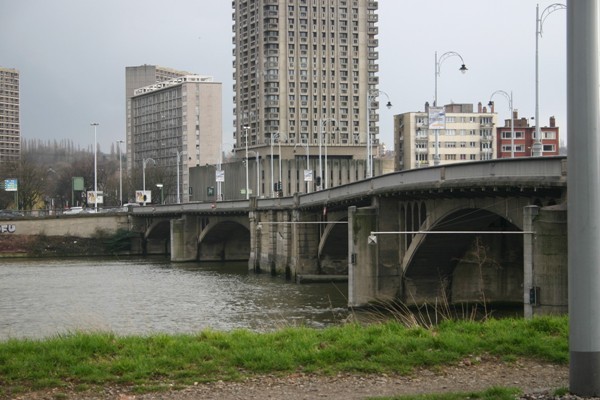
x: 72, y: 55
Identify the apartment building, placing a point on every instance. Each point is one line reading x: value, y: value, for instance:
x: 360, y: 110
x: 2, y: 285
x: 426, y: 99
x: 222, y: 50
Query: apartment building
x: 306, y: 74
x: 137, y: 77
x: 518, y: 142
x: 176, y: 124
x: 445, y: 135
x: 10, y: 126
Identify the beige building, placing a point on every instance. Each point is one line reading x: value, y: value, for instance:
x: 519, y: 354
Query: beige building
x: 10, y: 126
x: 452, y: 134
x: 135, y: 78
x: 305, y: 72
x: 176, y: 124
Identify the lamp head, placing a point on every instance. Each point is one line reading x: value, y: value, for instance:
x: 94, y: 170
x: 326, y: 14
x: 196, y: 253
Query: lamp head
x: 491, y: 103
x: 389, y: 104
x: 463, y: 69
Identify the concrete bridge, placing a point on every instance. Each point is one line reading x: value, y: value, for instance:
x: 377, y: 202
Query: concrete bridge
x: 493, y: 231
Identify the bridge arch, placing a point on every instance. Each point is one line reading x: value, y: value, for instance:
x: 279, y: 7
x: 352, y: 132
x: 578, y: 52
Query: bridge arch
x: 157, y: 237
x: 224, y: 241
x: 465, y: 267
x: 333, y: 247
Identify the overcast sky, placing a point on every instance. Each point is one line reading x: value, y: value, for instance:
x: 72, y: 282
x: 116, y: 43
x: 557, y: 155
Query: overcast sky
x: 72, y: 55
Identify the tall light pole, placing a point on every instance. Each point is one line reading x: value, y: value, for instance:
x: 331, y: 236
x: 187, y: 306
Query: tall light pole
x: 95, y: 125
x: 322, y: 123
x: 438, y: 64
x: 307, y: 162
x: 275, y: 136
x: 257, y: 155
x: 246, y: 128
x: 512, y: 118
x: 179, y: 154
x: 160, y: 186
x: 536, y: 148
x: 371, y: 96
x: 120, y: 172
x: 144, y: 162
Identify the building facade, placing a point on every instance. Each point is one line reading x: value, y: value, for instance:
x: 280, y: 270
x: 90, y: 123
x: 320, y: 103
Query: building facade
x: 175, y: 124
x: 10, y: 125
x: 524, y: 138
x: 137, y: 77
x: 306, y: 74
x: 458, y: 134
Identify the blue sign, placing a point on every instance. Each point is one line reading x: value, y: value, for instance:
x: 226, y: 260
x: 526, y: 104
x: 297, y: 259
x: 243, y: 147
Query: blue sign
x: 10, y: 185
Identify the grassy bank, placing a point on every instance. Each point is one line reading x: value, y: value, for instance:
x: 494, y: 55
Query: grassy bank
x: 88, y: 359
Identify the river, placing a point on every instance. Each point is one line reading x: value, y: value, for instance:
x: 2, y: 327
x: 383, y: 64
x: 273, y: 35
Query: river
x: 41, y: 298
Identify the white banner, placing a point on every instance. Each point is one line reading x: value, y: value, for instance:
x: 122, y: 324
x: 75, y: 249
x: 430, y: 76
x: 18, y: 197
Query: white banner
x: 437, y: 118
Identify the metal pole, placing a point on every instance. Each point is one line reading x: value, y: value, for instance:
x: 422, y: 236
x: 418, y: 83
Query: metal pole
x: 437, y: 69
x: 307, y: 164
x: 279, y: 145
x: 512, y: 127
x: 535, y: 150
x: 326, y: 181
x: 257, y: 175
x: 369, y: 99
x: 178, y: 168
x: 246, y: 139
x: 320, y: 139
x: 95, y: 124
x: 120, y: 173
x: 583, y: 197
x: 272, y: 174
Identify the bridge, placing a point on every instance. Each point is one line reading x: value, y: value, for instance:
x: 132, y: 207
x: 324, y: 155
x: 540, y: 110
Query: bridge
x: 491, y: 230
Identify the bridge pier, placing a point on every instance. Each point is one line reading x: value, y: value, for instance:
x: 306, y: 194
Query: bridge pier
x: 184, y: 239
x: 362, y: 257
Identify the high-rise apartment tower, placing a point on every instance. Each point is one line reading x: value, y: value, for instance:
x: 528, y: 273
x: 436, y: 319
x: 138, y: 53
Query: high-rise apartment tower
x: 10, y: 127
x: 305, y: 72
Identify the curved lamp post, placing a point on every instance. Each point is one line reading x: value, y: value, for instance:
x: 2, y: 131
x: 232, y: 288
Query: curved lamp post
x: 512, y: 118
x: 322, y: 123
x: 536, y: 148
x: 95, y: 125
x: 120, y: 172
x: 275, y: 136
x: 246, y: 128
x: 307, y: 161
x: 438, y: 64
x: 372, y: 95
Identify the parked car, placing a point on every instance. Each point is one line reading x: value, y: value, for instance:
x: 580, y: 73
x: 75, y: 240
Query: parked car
x: 74, y: 210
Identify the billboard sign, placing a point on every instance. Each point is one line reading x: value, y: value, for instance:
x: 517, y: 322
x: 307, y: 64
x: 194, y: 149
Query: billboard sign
x: 92, y: 197
x: 143, y: 196
x: 437, y: 118
x: 11, y: 185
x: 220, y: 175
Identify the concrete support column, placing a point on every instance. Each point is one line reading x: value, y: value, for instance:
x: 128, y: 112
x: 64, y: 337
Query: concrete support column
x: 184, y: 239
x: 583, y: 108
x: 255, y: 240
x: 362, y: 257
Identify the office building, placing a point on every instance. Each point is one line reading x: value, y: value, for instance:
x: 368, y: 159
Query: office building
x: 441, y: 136
x: 524, y: 137
x: 135, y: 78
x: 305, y: 73
x: 10, y: 126
x: 175, y: 124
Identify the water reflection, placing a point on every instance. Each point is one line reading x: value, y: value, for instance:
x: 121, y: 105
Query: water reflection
x: 140, y: 296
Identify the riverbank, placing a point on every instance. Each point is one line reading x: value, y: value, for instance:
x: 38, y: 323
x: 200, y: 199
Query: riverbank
x: 90, y: 363
x: 35, y: 246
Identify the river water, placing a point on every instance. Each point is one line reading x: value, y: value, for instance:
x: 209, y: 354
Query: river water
x: 41, y: 298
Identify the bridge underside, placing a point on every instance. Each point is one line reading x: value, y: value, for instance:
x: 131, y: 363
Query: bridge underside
x: 467, y: 267
x: 226, y: 241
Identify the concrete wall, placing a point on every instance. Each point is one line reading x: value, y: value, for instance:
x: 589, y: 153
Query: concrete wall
x: 85, y: 226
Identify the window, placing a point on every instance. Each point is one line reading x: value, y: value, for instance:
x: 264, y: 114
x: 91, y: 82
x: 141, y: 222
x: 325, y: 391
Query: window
x: 548, y: 135
x: 549, y: 148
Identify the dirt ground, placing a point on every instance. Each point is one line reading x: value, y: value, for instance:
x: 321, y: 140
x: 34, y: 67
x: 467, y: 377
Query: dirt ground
x: 536, y: 380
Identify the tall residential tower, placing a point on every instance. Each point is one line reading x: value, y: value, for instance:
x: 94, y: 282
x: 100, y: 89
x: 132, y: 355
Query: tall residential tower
x: 10, y: 126
x: 305, y: 72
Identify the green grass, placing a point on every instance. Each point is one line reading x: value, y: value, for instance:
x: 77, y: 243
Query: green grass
x: 496, y: 393
x: 94, y: 359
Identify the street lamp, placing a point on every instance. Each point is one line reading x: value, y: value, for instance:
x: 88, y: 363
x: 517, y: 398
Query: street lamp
x: 179, y: 154
x: 307, y: 162
x: 438, y: 64
x: 144, y: 162
x: 95, y: 125
x: 322, y: 123
x: 160, y: 186
x: 257, y: 155
x: 275, y: 136
x: 120, y: 172
x: 246, y: 128
x: 512, y: 118
x: 372, y: 94
x: 536, y: 149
